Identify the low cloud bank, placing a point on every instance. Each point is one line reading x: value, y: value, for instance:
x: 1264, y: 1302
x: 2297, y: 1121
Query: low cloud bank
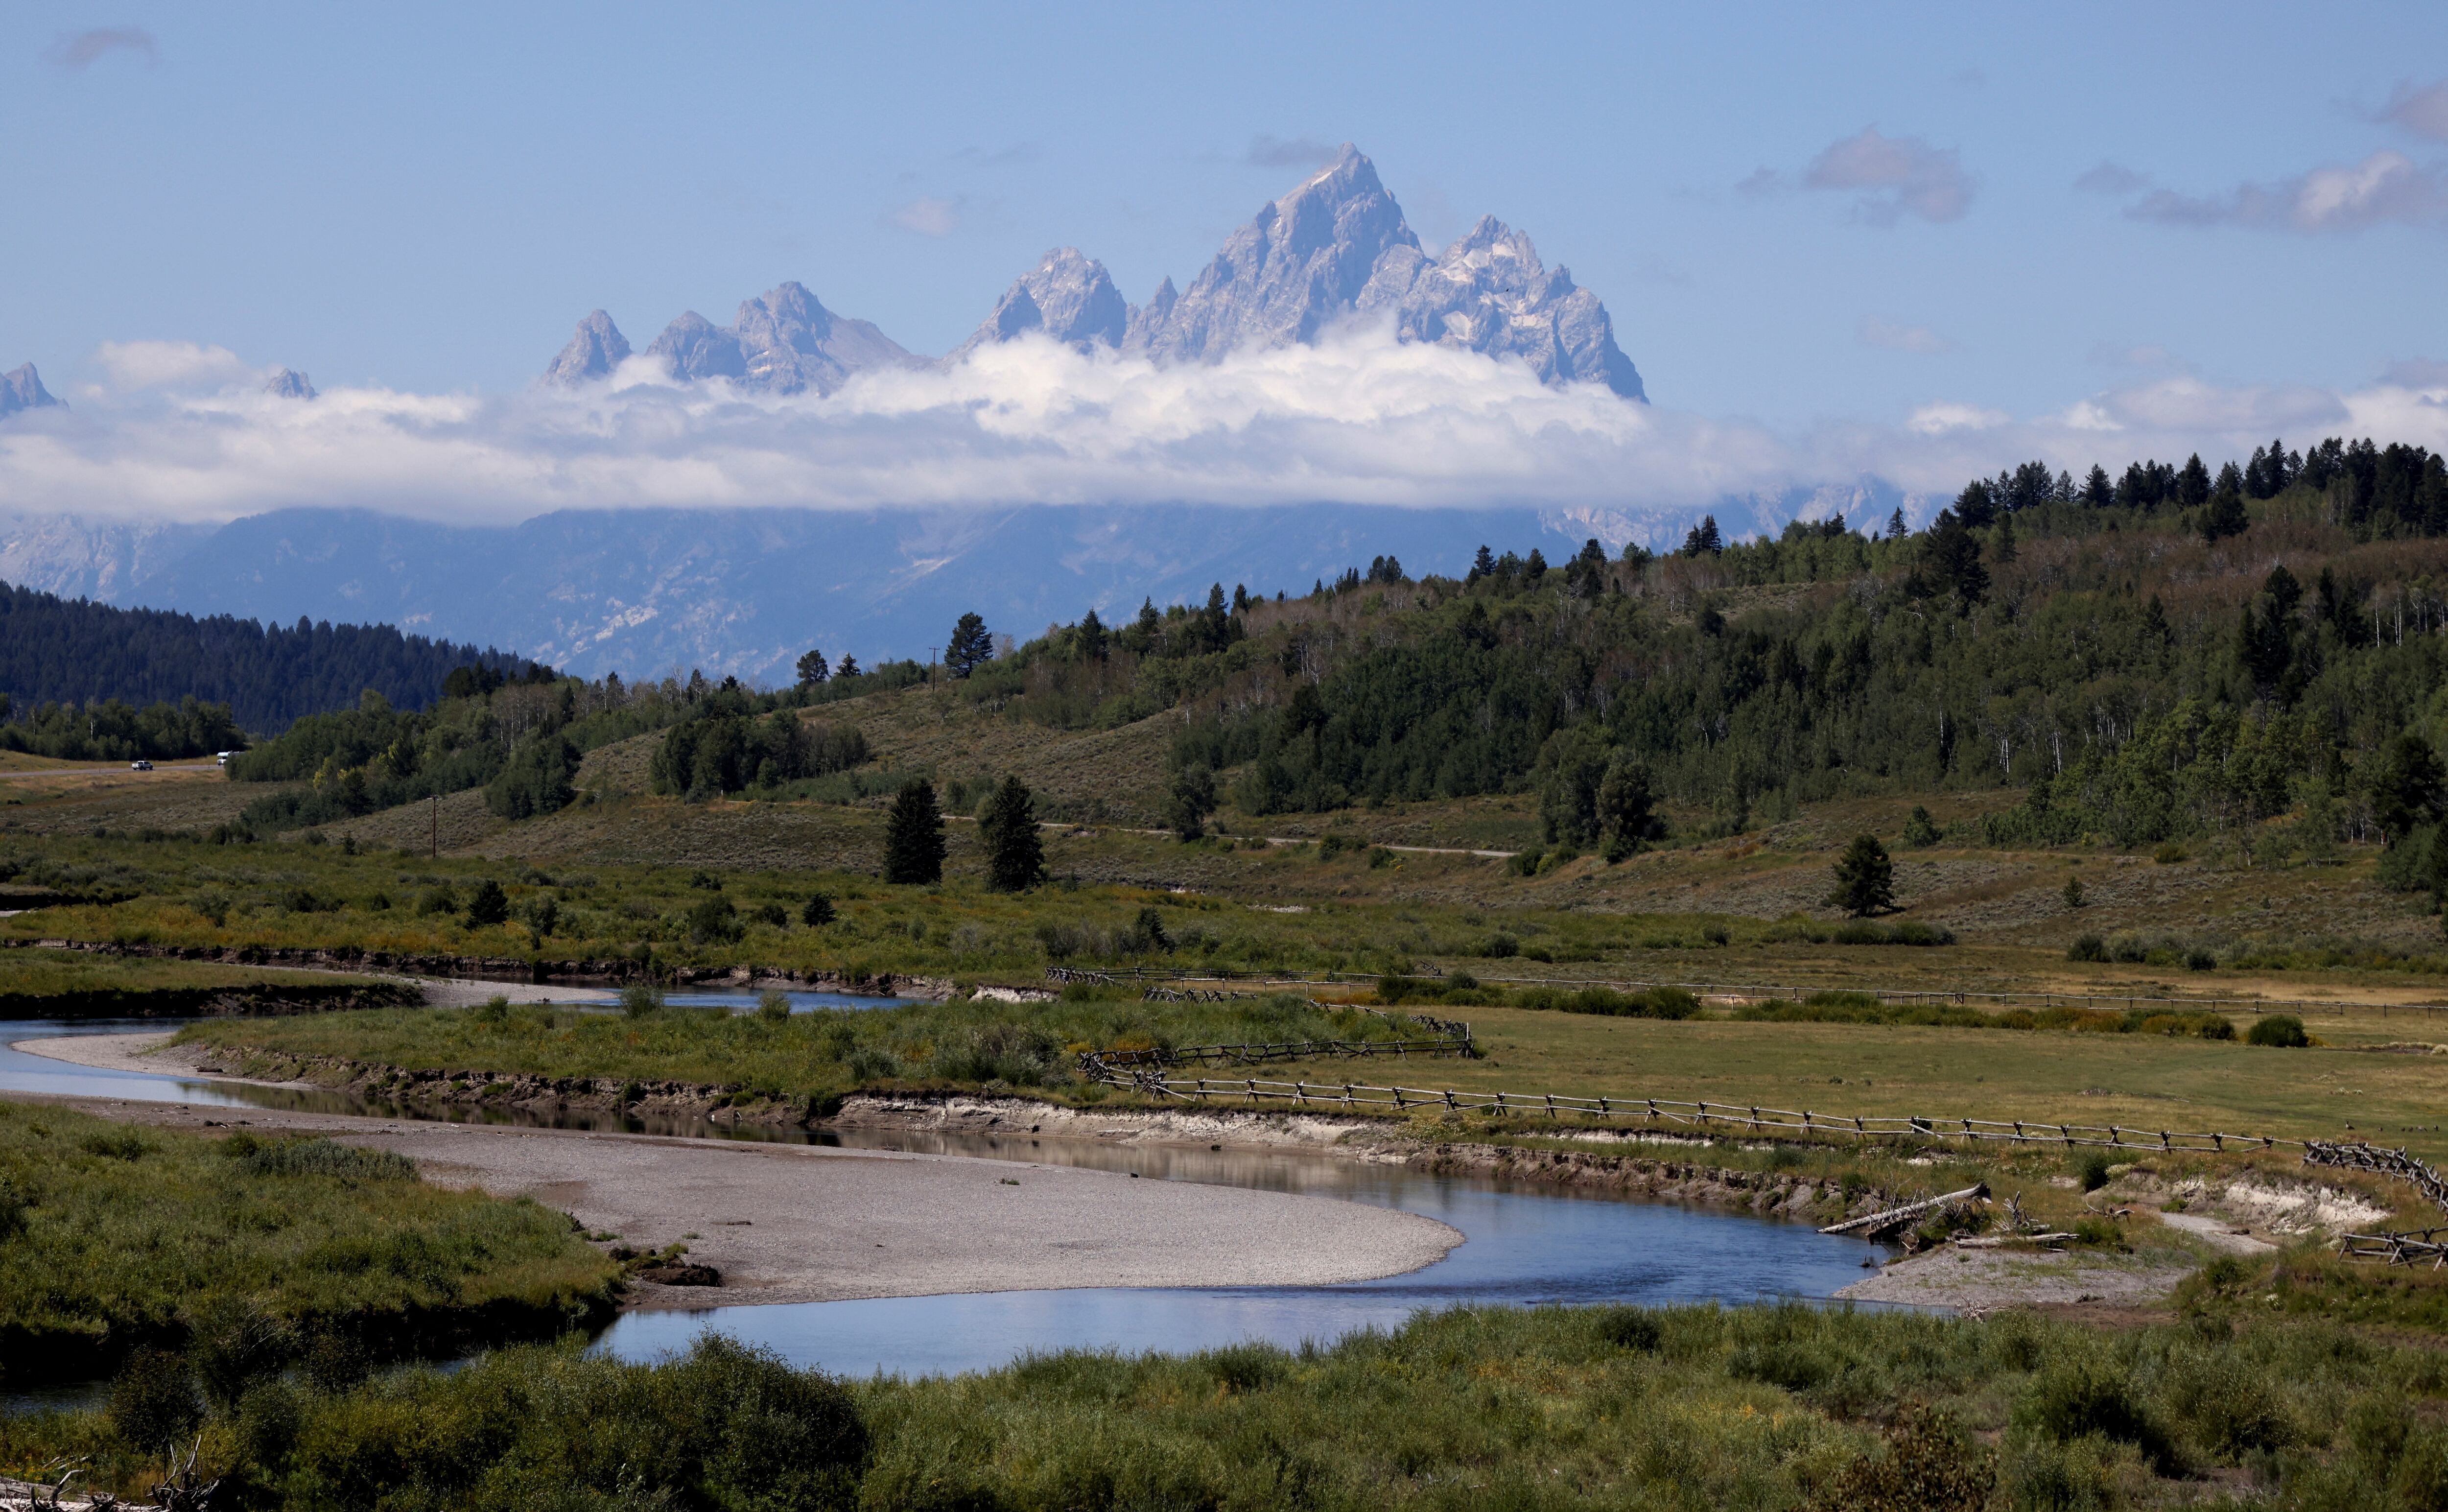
x: 185, y: 432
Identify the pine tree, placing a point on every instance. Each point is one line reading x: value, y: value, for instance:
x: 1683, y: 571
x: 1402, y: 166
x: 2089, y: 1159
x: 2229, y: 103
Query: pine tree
x: 1866, y: 879
x: 2096, y: 491
x: 1191, y: 801
x: 1957, y: 557
x: 913, y: 837
x: 2193, y: 484
x: 489, y: 904
x: 1014, y: 849
x: 1896, y: 529
x: 971, y: 647
x: 1704, y: 539
x: 1481, y: 565
x: 2225, y: 515
x: 1093, y: 638
x: 2002, y: 540
x: 813, y: 669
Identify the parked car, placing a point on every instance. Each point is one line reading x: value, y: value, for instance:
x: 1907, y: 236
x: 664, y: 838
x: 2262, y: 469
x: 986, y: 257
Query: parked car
x: 139, y: 766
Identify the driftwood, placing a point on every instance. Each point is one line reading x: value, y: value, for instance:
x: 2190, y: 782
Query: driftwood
x: 1894, y: 1217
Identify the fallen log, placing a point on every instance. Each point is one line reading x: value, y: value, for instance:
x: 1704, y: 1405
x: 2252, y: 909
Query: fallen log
x: 1978, y: 1191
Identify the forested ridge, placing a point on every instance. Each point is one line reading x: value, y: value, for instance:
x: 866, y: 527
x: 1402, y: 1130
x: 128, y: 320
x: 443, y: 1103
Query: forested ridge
x: 2182, y: 650
x: 74, y: 651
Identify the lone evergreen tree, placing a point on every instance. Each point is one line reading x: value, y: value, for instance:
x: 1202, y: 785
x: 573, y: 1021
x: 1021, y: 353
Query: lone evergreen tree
x: 1192, y: 800
x: 489, y: 904
x: 1015, y: 851
x: 913, y: 837
x: 813, y: 669
x: 971, y: 647
x: 1866, y: 879
x: 1704, y: 539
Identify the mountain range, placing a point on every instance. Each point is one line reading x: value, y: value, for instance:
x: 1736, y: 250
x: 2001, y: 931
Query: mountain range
x: 744, y: 591
x: 1335, y: 248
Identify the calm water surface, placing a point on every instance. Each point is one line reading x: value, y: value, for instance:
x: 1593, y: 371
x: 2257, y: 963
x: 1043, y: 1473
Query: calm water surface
x: 1524, y: 1244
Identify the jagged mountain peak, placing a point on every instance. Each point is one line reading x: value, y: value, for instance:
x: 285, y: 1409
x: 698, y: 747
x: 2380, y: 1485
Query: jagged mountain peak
x: 1068, y: 296
x: 290, y: 384
x: 21, y: 388
x: 594, y: 350
x: 783, y: 341
x: 1335, y: 246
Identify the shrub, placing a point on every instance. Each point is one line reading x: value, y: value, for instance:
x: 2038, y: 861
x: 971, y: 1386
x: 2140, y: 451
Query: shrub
x: 771, y: 915
x: 1501, y: 946
x: 2169, y: 853
x: 2198, y: 959
x: 2282, y: 1030
x: 153, y: 1401
x: 2091, y: 1169
x: 2087, y: 947
x: 773, y: 1007
x: 817, y: 913
x: 640, y: 1000
x: 2074, y: 1399
x: 712, y: 920
x: 1921, y: 829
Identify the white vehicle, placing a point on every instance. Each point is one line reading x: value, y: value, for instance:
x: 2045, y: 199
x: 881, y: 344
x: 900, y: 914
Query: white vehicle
x: 139, y: 766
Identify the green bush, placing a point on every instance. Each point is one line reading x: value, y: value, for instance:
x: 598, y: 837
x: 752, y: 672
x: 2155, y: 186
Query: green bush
x: 2087, y: 947
x: 2283, y: 1031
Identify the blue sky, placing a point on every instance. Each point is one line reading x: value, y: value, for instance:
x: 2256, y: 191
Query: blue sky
x: 1799, y: 215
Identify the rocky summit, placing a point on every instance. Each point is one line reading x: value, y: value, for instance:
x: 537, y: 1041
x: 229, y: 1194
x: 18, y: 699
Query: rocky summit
x: 596, y: 348
x: 1335, y: 248
x: 786, y: 342
x: 1067, y: 296
x: 22, y: 389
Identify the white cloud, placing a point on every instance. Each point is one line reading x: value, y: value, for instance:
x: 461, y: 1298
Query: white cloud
x: 153, y: 364
x: 1357, y: 419
x: 1938, y: 419
x: 2385, y: 188
x: 1895, y: 336
x: 2423, y: 111
x: 1894, y: 176
x: 928, y: 216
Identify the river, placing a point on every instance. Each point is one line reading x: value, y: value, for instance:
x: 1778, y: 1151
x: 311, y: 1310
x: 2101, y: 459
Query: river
x: 1525, y: 1244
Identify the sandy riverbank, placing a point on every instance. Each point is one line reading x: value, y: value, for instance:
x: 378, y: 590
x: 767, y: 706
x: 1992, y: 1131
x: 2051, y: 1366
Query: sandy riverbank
x: 798, y: 1223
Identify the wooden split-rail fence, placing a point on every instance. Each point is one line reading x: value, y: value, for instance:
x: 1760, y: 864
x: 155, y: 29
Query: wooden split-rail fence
x: 2408, y: 1247
x: 1664, y: 1112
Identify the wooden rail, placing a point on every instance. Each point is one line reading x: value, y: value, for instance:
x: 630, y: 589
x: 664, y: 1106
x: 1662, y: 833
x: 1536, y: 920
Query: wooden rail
x: 1666, y: 1112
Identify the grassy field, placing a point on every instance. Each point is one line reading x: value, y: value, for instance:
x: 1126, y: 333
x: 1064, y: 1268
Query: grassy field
x: 1566, y: 1408
x: 2362, y: 1084
x: 113, y: 1238
x: 37, y: 983
x: 807, y: 1057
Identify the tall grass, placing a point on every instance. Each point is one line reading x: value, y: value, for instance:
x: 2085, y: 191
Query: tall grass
x: 807, y: 1055
x: 1779, y: 1406
x: 114, y: 1238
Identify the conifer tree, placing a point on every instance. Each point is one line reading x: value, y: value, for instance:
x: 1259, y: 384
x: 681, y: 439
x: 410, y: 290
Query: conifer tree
x: 969, y: 648
x: 1866, y: 879
x: 1015, y: 851
x: 813, y: 669
x: 913, y: 837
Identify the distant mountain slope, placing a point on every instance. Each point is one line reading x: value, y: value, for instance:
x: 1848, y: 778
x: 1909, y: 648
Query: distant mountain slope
x: 63, y: 650
x: 745, y: 591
